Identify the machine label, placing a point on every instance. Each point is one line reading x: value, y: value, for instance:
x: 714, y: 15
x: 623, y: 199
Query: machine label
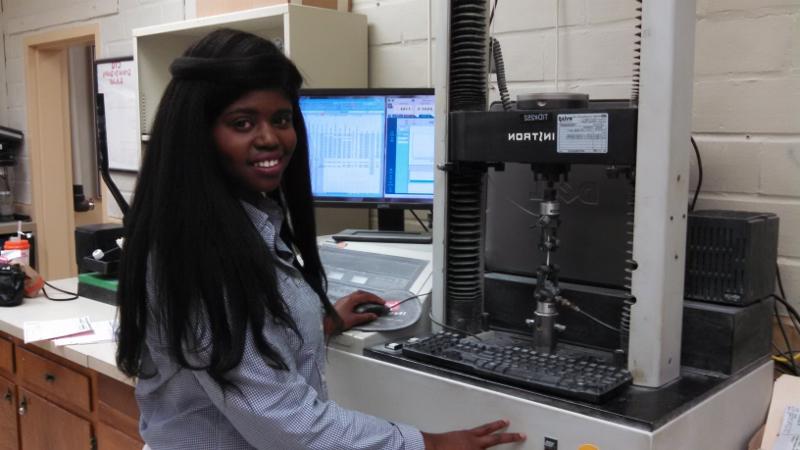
x: 536, y: 117
x: 582, y: 133
x: 536, y: 136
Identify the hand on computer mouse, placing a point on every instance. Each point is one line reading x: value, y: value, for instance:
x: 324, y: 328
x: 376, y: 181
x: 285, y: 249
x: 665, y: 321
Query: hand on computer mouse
x: 359, y: 307
x: 371, y: 308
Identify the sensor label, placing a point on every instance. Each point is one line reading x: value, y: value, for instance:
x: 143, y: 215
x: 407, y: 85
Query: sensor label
x: 582, y: 133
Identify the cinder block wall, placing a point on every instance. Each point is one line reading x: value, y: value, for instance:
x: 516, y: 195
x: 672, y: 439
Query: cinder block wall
x: 746, y: 117
x: 747, y: 77
x: 21, y: 18
x: 747, y: 114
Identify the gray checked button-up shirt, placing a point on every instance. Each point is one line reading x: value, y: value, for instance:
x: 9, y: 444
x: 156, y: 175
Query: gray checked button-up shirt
x: 273, y: 409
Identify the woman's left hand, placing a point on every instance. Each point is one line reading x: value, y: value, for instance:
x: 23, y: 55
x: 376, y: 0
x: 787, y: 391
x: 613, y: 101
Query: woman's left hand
x: 345, y: 306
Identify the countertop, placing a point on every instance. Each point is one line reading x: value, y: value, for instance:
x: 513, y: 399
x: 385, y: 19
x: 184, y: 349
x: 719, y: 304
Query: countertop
x: 98, y: 357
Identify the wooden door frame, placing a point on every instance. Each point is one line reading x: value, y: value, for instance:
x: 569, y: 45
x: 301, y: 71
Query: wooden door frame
x: 48, y: 143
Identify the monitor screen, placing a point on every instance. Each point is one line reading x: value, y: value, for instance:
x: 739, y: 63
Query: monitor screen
x: 370, y: 146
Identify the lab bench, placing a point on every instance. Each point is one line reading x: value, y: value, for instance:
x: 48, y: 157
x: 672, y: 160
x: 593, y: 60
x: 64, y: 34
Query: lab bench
x: 63, y: 397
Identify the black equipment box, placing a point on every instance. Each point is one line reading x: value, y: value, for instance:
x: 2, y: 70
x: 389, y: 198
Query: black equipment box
x: 103, y: 236
x: 730, y: 256
x: 604, y: 133
x: 724, y: 338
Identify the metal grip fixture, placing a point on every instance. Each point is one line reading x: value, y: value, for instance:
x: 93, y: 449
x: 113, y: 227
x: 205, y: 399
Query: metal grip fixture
x: 9, y: 397
x: 547, y: 292
x: 23, y: 406
x: 49, y: 377
x: 544, y: 339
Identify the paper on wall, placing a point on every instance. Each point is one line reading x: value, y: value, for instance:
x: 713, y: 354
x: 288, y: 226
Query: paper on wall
x: 39, y: 330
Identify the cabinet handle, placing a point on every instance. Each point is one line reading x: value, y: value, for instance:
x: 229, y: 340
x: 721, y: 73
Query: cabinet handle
x: 9, y: 396
x: 23, y: 406
x: 49, y: 377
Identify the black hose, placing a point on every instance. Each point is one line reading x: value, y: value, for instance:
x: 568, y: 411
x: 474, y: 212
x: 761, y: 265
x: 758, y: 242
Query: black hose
x: 102, y: 156
x: 500, y: 70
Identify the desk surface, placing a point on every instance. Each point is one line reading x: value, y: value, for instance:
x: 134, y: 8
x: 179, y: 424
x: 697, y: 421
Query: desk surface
x: 98, y: 357
x: 102, y: 357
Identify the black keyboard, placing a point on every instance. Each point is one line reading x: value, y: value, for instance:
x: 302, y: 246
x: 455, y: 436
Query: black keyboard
x: 581, y: 378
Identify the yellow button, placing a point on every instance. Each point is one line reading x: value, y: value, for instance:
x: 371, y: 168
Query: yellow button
x: 588, y: 447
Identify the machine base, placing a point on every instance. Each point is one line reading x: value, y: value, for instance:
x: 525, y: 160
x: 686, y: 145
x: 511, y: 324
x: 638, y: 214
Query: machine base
x: 697, y: 411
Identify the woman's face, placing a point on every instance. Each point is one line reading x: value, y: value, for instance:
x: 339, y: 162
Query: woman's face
x: 256, y: 138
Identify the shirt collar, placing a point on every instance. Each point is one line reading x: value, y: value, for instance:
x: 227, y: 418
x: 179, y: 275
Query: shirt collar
x: 267, y: 216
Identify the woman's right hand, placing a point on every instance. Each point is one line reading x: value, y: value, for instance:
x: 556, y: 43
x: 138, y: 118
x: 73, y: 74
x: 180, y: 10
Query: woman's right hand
x: 477, y: 438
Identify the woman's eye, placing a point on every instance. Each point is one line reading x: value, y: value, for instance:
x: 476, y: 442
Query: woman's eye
x: 283, y: 121
x: 242, y: 124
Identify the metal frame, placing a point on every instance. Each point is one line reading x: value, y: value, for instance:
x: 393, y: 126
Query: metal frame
x: 662, y: 168
x: 440, y: 157
x: 664, y: 127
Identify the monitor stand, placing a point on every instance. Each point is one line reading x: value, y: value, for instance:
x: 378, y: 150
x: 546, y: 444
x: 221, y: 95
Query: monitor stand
x: 390, y: 229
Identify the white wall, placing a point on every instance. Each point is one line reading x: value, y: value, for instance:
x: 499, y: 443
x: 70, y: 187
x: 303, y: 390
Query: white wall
x: 747, y: 77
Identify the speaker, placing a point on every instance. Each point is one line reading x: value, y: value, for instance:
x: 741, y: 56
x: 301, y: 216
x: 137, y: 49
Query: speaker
x: 730, y: 256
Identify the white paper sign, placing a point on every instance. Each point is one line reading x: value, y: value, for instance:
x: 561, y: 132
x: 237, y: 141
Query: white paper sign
x: 116, y: 80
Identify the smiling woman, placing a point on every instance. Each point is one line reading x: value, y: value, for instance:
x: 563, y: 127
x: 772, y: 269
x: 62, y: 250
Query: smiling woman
x: 223, y: 312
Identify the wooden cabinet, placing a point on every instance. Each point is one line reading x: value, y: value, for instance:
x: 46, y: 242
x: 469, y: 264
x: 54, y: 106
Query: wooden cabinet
x: 110, y: 439
x: 329, y: 47
x: 6, y: 357
x: 45, y: 426
x: 48, y: 403
x: 9, y: 437
x: 53, y: 379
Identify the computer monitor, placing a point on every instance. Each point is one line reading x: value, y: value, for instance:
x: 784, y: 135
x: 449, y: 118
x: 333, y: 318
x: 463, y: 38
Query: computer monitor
x: 371, y: 148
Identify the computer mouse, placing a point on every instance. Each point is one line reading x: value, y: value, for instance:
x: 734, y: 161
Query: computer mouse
x: 374, y: 308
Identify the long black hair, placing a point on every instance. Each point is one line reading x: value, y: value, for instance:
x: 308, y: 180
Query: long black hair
x: 187, y: 224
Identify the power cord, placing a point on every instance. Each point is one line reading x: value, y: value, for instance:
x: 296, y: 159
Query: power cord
x: 787, y: 361
x: 430, y: 316
x: 422, y: 224
x: 409, y: 298
x: 785, y: 339
x: 448, y: 327
x: 794, y: 317
x: 564, y: 302
x: 783, y: 357
x: 491, y: 15
x: 72, y: 295
x: 699, y: 173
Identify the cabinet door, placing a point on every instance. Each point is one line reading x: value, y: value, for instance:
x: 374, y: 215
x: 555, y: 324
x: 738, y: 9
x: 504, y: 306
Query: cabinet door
x: 53, y: 380
x: 111, y: 439
x: 9, y: 438
x: 45, y: 426
x: 6, y: 356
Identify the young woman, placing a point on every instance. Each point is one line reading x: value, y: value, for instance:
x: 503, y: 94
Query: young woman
x: 223, y: 312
